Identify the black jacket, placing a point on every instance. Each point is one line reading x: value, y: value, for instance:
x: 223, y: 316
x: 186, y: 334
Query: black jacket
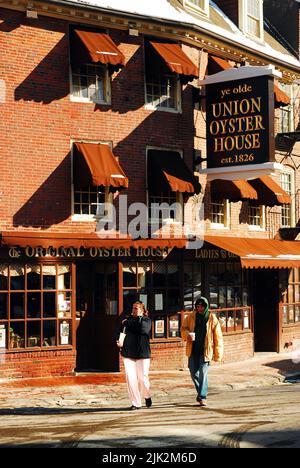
x: 137, y: 340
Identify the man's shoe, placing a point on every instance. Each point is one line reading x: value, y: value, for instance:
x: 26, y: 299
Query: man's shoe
x: 198, y: 399
x: 148, y: 402
x: 202, y: 402
x: 133, y: 408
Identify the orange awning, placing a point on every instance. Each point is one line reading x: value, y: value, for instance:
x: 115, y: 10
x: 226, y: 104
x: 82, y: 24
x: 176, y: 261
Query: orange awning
x: 46, y: 240
x: 95, y: 164
x: 260, y: 253
x: 97, y: 48
x: 269, y: 192
x: 281, y: 99
x: 176, y: 60
x: 216, y: 65
x: 168, y: 171
x: 234, y: 190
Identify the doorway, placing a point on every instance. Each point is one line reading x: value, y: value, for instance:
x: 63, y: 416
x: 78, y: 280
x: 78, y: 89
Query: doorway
x: 266, y: 310
x: 97, y: 317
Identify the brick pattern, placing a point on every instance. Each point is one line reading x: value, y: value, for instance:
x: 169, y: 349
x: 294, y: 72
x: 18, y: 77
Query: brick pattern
x: 289, y: 338
x: 37, y: 364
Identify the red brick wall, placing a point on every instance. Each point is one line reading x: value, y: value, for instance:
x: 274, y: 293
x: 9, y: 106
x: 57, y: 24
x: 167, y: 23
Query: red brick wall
x: 39, y: 120
x: 290, y: 337
x: 37, y: 364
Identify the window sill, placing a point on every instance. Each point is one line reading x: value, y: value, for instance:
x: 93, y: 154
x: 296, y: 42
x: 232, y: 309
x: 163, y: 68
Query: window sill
x: 88, y: 218
x: 162, y: 109
x: 219, y: 226
x: 88, y: 101
x: 256, y: 228
x: 168, y: 222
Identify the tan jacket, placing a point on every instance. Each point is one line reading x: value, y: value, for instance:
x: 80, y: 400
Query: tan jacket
x: 213, y: 341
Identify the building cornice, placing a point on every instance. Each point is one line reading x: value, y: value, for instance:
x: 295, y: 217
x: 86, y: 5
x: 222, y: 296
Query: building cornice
x: 192, y: 35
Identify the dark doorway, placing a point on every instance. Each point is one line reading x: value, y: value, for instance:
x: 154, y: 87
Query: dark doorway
x: 266, y: 310
x: 97, y: 317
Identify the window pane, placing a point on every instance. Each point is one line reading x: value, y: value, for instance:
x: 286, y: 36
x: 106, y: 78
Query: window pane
x: 17, y: 335
x: 3, y: 277
x: 3, y: 336
x: 64, y: 304
x: 129, y: 275
x: 188, y: 299
x: 173, y: 274
x: 174, y: 300
x: 64, y: 277
x: 17, y: 277
x: 49, y: 333
x: 188, y: 274
x: 49, y: 277
x: 159, y: 275
x: 33, y: 305
x: 65, y: 333
x: 144, y: 275
x: 17, y: 305
x: 3, y: 305
x: 49, y: 304
x: 129, y: 297
x: 33, y: 277
x: 33, y: 334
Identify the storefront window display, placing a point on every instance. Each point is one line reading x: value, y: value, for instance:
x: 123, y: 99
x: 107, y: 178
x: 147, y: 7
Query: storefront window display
x: 34, y: 301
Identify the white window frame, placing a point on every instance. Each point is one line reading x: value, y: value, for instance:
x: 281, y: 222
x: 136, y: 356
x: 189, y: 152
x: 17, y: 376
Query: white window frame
x: 291, y: 193
x: 178, y: 89
x: 106, y: 85
x: 243, y: 19
x: 179, y: 197
x: 202, y: 6
x: 226, y: 223
x: 262, y: 226
x: 109, y: 196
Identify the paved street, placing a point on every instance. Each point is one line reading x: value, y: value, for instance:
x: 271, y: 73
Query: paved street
x: 258, y: 412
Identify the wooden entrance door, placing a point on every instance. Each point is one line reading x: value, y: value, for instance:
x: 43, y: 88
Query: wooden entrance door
x: 97, y: 293
x: 266, y: 310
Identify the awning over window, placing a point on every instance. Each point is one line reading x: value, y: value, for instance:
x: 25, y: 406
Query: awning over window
x: 97, y: 48
x: 216, y: 65
x: 167, y: 171
x: 281, y: 99
x: 269, y: 192
x: 176, y: 60
x: 260, y: 253
x: 234, y: 191
x: 46, y: 240
x: 95, y: 164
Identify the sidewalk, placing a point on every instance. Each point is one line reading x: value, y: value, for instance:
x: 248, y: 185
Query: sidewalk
x: 88, y: 390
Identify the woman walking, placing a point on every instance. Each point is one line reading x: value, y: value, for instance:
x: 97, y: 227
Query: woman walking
x: 136, y: 355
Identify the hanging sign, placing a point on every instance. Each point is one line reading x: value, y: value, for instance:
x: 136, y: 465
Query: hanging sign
x: 240, y: 122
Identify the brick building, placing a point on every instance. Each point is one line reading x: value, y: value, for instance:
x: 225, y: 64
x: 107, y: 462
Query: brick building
x: 96, y: 99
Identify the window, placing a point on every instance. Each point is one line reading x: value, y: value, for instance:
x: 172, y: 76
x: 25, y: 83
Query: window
x: 198, y: 5
x: 286, y: 118
x: 158, y: 286
x: 91, y: 83
x: 166, y: 207
x: 229, y: 296
x: 256, y: 215
x: 91, y: 201
x: 35, y: 306
x: 251, y: 17
x: 219, y: 212
x: 192, y: 283
x: 286, y: 210
x: 290, y: 288
x: 162, y: 88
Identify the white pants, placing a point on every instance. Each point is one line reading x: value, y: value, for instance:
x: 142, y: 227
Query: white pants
x: 137, y: 377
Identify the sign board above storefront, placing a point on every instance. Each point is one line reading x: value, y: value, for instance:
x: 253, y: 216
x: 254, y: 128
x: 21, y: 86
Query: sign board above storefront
x: 240, y: 123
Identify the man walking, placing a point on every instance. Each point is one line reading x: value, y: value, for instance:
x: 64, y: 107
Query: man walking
x: 202, y: 332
